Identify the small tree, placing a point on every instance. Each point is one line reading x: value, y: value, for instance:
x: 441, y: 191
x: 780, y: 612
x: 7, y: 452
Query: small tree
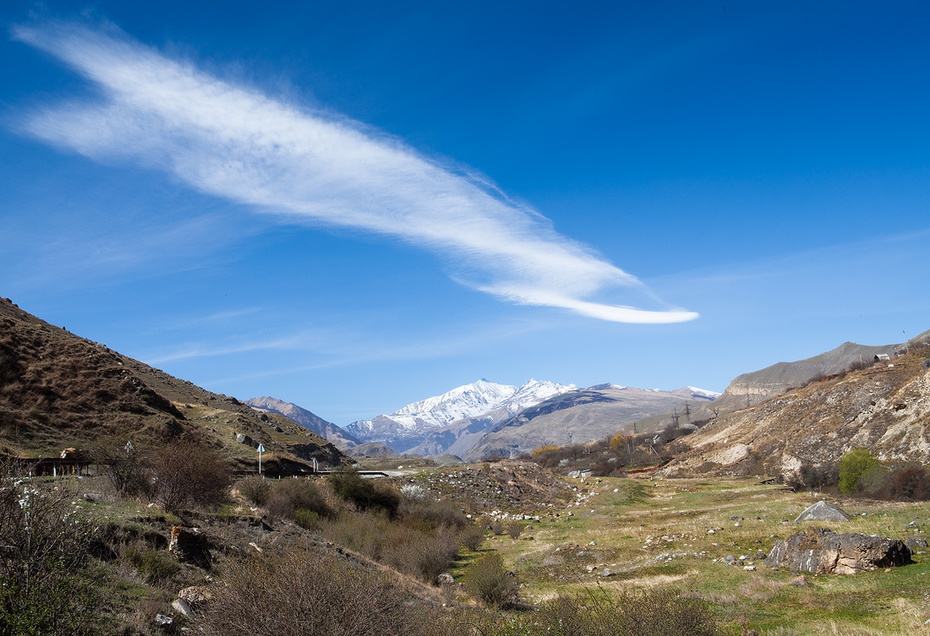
x: 854, y: 467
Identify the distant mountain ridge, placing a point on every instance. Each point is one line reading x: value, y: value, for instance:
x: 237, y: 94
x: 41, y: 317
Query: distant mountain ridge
x: 339, y: 437
x: 583, y: 415
x: 757, y: 386
x: 407, y: 427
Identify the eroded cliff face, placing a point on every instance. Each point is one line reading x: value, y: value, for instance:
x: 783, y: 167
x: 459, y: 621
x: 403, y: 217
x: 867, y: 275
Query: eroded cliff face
x: 885, y: 408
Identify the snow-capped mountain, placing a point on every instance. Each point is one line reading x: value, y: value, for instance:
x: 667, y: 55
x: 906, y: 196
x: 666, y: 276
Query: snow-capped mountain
x: 407, y: 426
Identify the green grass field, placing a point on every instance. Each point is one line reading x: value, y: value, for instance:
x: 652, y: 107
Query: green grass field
x: 630, y: 534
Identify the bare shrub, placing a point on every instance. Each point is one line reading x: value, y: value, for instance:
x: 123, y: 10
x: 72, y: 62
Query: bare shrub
x: 514, y: 529
x: 661, y: 612
x: 431, y: 513
x: 365, y: 493
x: 420, y: 554
x: 187, y: 473
x: 362, y: 532
x: 910, y: 482
x: 128, y: 469
x: 308, y: 592
x: 291, y: 497
x: 256, y: 489
x: 471, y: 537
x: 488, y: 581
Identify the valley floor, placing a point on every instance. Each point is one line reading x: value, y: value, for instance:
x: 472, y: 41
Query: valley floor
x: 709, y: 538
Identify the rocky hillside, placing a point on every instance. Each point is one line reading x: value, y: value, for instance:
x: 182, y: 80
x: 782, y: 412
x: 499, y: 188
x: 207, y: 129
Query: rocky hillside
x: 758, y: 386
x: 885, y: 408
x: 340, y: 437
x: 580, y: 416
x: 59, y: 390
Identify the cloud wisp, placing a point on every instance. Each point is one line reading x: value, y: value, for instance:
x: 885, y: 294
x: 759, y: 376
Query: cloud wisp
x: 239, y: 144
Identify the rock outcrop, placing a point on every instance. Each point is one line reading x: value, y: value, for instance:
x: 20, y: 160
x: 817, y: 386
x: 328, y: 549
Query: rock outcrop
x: 822, y: 551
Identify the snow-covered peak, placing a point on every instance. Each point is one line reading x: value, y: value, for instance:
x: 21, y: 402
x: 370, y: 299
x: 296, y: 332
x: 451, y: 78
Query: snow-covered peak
x: 468, y: 400
x: 703, y: 393
x: 534, y: 392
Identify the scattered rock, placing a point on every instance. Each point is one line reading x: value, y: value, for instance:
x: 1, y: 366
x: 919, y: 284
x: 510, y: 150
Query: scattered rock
x: 183, y: 607
x: 822, y: 551
x: 915, y: 542
x: 823, y: 511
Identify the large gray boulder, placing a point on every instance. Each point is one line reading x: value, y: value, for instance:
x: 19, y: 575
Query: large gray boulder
x: 822, y: 551
x: 823, y: 511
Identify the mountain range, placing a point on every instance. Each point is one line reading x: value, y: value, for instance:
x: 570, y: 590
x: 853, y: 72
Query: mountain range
x: 59, y: 390
x: 485, y: 418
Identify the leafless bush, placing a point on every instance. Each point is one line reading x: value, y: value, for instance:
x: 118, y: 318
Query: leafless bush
x: 308, y: 592
x: 488, y: 581
x: 661, y: 612
x: 910, y: 482
x: 471, y: 537
x: 256, y: 489
x: 187, y: 473
x: 429, y: 513
x: 515, y: 529
x: 128, y: 469
x: 291, y: 497
x: 365, y: 493
x: 421, y: 554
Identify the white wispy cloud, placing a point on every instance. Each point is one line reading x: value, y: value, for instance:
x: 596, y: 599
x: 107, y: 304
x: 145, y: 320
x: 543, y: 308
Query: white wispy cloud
x: 237, y: 143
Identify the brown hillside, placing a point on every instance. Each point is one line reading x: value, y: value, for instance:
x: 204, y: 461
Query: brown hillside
x: 59, y: 390
x: 885, y: 408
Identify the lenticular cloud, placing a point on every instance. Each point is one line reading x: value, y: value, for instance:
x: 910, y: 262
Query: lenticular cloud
x: 240, y: 144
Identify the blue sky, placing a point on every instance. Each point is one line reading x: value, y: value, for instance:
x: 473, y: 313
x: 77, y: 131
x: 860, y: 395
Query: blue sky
x: 354, y: 207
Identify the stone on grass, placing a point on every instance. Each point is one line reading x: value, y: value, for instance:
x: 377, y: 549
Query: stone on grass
x: 822, y: 551
x: 823, y: 511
